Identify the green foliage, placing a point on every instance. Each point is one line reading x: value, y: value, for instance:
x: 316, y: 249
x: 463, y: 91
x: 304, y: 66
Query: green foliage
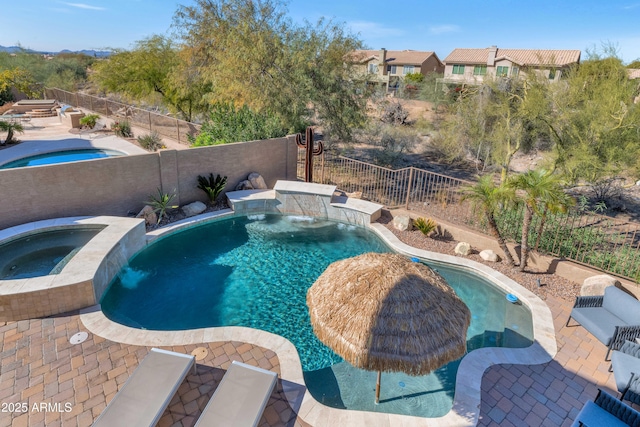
x: 154, y: 67
x: 11, y: 128
x: 160, y: 203
x: 414, y: 78
x: 212, y: 186
x: 426, y: 226
x: 89, y: 121
x: 65, y: 71
x: 122, y: 129
x: 251, y: 53
x: 151, y: 141
x: 227, y: 124
x: 390, y: 141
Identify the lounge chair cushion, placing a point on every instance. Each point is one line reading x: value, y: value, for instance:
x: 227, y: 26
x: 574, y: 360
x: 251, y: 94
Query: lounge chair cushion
x: 593, y: 415
x: 625, y: 306
x: 148, y: 391
x: 240, y: 397
x: 599, y: 321
x: 623, y: 366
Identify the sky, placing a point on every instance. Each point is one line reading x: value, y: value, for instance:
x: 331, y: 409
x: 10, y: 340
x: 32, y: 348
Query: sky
x: 441, y: 26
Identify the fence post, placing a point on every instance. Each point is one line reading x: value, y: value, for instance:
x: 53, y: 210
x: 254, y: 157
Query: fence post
x: 91, y: 103
x: 406, y: 206
x: 149, y: 121
x: 178, y: 130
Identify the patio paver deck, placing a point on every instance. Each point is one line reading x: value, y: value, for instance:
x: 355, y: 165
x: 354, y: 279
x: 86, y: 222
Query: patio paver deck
x: 39, y: 365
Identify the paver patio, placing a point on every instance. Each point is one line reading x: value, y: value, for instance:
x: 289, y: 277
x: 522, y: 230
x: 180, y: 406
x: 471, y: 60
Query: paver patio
x: 39, y: 365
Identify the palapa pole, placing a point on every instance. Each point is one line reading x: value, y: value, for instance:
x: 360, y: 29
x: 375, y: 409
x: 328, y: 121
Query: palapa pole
x: 378, y: 387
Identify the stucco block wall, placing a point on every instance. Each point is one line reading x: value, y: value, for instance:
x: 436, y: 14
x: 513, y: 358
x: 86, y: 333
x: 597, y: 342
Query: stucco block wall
x: 118, y: 185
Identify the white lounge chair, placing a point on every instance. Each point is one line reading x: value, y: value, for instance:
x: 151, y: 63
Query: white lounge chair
x: 147, y: 393
x: 240, y: 398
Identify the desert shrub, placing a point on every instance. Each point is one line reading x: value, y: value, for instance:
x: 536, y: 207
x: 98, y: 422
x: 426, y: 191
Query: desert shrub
x: 212, y: 186
x: 227, y: 124
x: 89, y: 121
x: 150, y: 141
x: 160, y: 203
x: 122, y: 129
x: 389, y: 142
x: 426, y: 226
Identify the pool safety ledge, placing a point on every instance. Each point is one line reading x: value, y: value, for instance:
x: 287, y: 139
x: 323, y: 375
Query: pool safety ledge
x: 466, y: 403
x: 83, y: 279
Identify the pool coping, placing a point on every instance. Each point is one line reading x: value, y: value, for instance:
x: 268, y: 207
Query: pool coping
x: 84, y: 277
x: 466, y: 402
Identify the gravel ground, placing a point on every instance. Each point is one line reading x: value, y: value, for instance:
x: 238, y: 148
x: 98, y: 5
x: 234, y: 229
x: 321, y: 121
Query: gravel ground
x: 551, y: 284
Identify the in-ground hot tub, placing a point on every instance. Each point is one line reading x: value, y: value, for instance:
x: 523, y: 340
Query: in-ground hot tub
x: 55, y: 266
x: 43, y: 253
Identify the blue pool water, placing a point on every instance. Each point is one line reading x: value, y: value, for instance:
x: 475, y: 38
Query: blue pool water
x: 61, y: 157
x: 255, y: 272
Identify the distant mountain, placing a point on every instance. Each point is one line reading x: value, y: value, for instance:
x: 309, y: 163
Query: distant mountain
x: 88, y: 52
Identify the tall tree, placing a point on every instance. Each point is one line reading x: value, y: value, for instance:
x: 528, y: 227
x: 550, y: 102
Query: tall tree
x: 252, y: 54
x: 150, y: 69
x: 490, y: 198
x: 538, y: 189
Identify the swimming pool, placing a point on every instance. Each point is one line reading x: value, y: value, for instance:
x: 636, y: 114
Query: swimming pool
x: 61, y: 157
x: 255, y: 272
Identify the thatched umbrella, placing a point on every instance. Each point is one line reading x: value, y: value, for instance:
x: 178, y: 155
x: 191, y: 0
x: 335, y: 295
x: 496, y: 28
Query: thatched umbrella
x: 383, y: 312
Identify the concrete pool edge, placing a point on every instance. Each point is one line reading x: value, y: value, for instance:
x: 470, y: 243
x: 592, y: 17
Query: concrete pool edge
x: 84, y: 276
x: 466, y: 404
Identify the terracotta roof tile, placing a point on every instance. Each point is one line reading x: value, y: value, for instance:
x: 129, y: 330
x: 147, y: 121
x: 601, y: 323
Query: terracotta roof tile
x: 396, y: 57
x: 523, y: 57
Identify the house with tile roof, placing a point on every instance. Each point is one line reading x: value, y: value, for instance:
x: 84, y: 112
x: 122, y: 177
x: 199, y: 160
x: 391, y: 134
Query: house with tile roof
x: 388, y: 67
x: 473, y: 65
x: 634, y: 73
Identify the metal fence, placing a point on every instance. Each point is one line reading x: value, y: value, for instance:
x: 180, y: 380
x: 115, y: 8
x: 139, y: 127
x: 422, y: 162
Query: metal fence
x: 585, y: 237
x: 164, y: 125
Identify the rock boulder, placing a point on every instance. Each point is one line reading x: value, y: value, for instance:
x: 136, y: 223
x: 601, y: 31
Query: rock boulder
x: 489, y: 255
x: 244, y: 185
x: 463, y: 248
x: 194, y: 208
x: 149, y: 215
x: 595, y: 285
x: 257, y: 182
x: 402, y: 222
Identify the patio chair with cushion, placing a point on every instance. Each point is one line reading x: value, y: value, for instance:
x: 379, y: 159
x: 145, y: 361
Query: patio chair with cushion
x: 625, y: 364
x: 240, y: 398
x: 612, y: 318
x: 147, y: 393
x: 607, y: 411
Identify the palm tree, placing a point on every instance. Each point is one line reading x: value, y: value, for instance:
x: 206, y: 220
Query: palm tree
x: 490, y: 198
x: 10, y: 128
x: 537, y: 189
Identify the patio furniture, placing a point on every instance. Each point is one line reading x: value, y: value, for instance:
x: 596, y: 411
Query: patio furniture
x: 240, y: 398
x: 625, y: 364
x: 147, y: 393
x: 612, y: 318
x: 608, y: 411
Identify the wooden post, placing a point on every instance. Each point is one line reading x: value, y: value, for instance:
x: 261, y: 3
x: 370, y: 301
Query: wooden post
x: 378, y: 387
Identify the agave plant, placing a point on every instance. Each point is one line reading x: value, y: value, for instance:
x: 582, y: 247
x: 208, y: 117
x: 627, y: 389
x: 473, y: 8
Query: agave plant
x: 212, y: 186
x: 160, y: 203
x: 426, y: 226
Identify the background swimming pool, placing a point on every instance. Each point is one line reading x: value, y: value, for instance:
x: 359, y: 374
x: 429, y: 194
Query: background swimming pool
x: 61, y: 157
x: 255, y: 272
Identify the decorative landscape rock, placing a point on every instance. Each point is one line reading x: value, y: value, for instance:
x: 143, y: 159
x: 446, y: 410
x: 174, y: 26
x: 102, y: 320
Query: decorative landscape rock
x: 402, y: 222
x: 150, y: 217
x: 257, y: 181
x: 354, y: 195
x: 244, y: 185
x: 194, y: 208
x: 595, y: 285
x: 463, y: 248
x: 489, y: 255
